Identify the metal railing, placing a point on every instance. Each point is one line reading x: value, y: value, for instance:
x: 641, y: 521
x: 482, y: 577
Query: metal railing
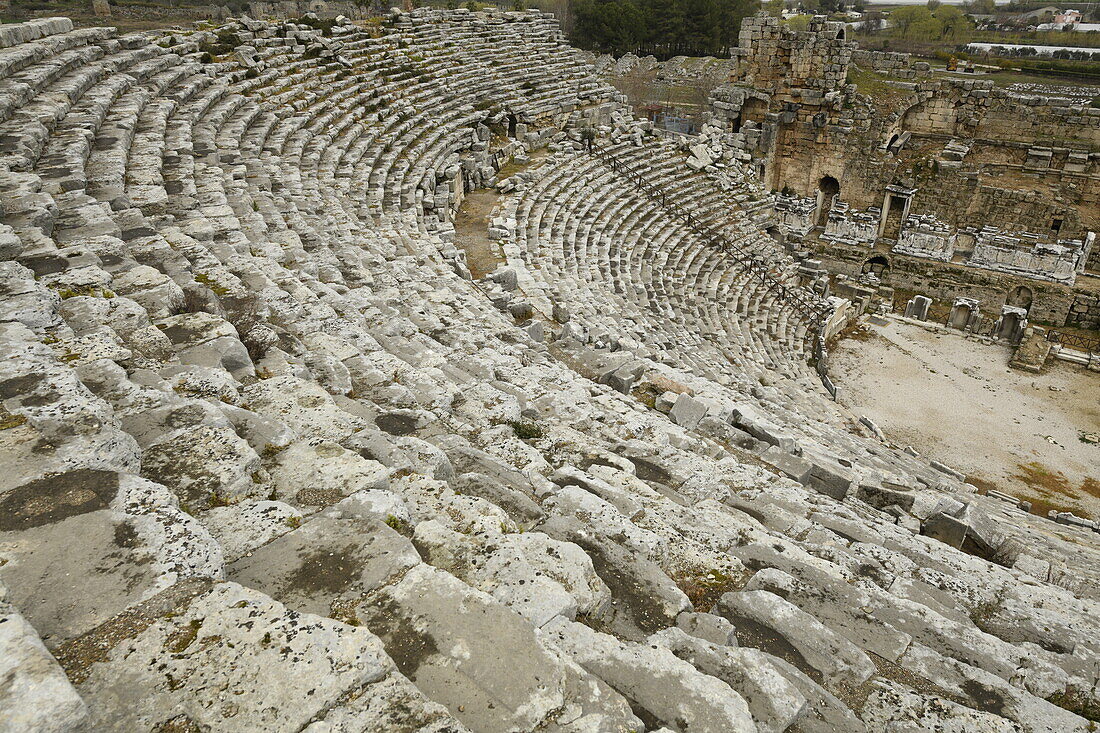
x: 812, y: 310
x: 1074, y: 341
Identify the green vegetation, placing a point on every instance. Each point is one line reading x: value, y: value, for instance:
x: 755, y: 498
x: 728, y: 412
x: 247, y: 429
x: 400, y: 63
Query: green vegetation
x: 526, y: 429
x: 943, y: 23
x: 661, y: 27
x: 875, y: 85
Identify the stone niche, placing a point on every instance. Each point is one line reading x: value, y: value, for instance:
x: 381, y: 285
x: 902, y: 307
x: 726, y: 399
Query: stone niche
x: 917, y: 307
x: 965, y: 314
x: 1011, y: 325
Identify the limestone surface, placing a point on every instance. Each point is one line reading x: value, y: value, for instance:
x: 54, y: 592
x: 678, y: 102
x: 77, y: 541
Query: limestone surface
x: 275, y: 460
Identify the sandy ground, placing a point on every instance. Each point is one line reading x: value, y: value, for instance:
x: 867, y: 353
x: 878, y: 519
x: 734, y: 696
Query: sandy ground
x: 957, y: 401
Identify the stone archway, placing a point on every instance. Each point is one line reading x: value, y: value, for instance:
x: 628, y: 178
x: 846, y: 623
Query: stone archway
x: 878, y: 265
x: 1020, y: 297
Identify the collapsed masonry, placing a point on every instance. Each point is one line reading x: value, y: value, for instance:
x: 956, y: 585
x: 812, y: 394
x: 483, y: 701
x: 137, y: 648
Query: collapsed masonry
x: 275, y: 461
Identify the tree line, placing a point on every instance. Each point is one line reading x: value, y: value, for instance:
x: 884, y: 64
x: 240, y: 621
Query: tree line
x: 663, y: 28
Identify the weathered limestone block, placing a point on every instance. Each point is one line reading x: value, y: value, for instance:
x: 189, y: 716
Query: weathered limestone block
x: 25, y: 300
x: 476, y: 657
x: 766, y: 621
x: 205, y: 340
x: 323, y: 473
x: 36, y: 695
x: 241, y: 528
x: 79, y: 547
x: 668, y: 689
x: 304, y: 407
x: 774, y: 703
x: 231, y: 652
x: 327, y: 564
x: 204, y: 467
x: 537, y: 576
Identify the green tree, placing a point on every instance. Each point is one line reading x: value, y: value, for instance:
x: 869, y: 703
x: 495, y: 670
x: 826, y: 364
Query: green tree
x: 798, y: 22
x: 904, y: 19
x: 954, y: 25
x: 690, y: 27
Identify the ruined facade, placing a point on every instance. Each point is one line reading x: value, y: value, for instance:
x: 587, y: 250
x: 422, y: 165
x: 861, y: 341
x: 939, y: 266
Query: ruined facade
x: 943, y: 170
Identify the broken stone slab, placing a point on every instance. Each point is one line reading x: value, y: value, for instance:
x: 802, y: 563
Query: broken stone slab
x: 791, y: 466
x: 774, y: 703
x: 767, y: 622
x: 746, y: 419
x: 829, y: 476
x: 36, y: 695
x: 622, y: 378
x: 943, y: 468
x: 79, y: 547
x: 688, y: 411
x: 967, y: 528
x: 670, y: 691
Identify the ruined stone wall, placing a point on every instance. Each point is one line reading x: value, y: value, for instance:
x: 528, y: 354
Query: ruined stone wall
x: 1085, y: 311
x: 298, y: 8
x: 775, y: 56
x: 890, y: 62
x: 976, y: 109
x: 1052, y: 304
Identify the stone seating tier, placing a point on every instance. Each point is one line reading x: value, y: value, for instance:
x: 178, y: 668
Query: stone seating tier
x: 267, y: 440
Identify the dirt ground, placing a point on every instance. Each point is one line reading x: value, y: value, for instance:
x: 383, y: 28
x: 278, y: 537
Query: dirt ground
x: 483, y: 256
x: 957, y: 401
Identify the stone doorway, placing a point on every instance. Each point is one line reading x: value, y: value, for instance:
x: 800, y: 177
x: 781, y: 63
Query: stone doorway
x: 895, y: 216
x: 828, y: 191
x: 1011, y: 325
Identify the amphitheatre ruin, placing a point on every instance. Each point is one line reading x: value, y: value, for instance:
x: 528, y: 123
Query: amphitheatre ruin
x: 397, y: 375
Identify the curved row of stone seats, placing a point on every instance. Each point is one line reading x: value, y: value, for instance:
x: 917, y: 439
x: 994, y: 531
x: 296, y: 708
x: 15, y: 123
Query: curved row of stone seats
x: 374, y: 499
x: 579, y: 202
